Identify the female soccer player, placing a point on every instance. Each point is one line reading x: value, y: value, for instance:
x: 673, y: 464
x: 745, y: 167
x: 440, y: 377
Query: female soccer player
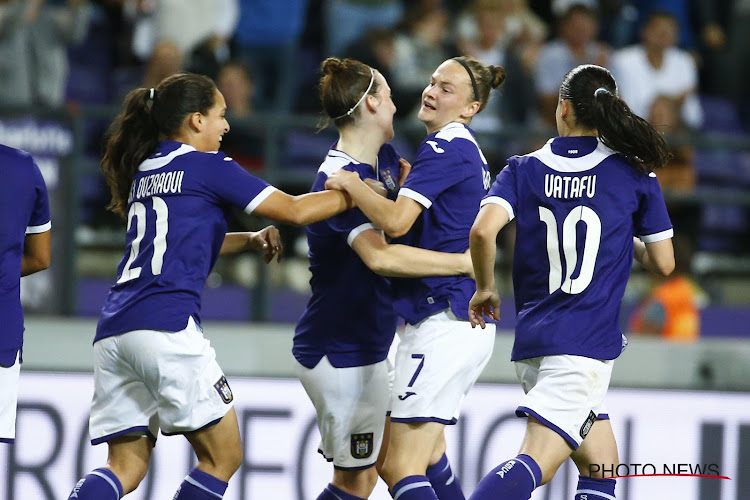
x: 439, y: 357
x: 153, y: 368
x: 342, y: 339
x: 25, y: 247
x: 579, y: 200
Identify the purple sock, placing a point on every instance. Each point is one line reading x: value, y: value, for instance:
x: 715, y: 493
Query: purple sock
x: 595, y: 489
x: 99, y: 484
x: 511, y: 480
x: 333, y: 493
x: 199, y: 485
x: 444, y: 482
x: 413, y: 488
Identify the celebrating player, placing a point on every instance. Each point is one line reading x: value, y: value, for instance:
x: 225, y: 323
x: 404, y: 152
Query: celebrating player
x: 342, y: 339
x: 578, y: 201
x: 24, y: 249
x: 439, y: 357
x: 153, y: 367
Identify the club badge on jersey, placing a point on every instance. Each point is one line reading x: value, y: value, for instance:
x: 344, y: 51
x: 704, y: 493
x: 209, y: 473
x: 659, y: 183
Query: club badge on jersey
x: 388, y: 179
x: 222, y: 387
x: 361, y: 445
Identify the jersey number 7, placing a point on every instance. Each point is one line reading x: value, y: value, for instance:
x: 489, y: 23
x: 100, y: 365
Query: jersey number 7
x: 590, y: 248
x: 138, y: 210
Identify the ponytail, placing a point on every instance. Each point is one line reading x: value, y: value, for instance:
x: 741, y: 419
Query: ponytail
x: 131, y: 138
x: 592, y: 92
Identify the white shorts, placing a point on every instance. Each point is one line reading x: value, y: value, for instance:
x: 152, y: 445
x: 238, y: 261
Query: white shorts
x: 566, y: 393
x: 437, y: 363
x: 350, y: 404
x: 9, y: 401
x: 148, y: 380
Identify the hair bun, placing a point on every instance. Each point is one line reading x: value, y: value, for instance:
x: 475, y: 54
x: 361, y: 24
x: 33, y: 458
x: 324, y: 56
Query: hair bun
x: 498, y: 76
x: 331, y: 65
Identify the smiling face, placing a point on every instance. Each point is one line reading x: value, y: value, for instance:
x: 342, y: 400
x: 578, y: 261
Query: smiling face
x: 214, y: 125
x: 448, y: 97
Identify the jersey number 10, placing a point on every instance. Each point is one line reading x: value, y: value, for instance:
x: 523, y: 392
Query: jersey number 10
x: 590, y: 248
x: 138, y: 210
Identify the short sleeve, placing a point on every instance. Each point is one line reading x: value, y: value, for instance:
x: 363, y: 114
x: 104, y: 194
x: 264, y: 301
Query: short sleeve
x: 438, y: 166
x: 39, y: 222
x: 503, y: 191
x: 651, y: 220
x: 233, y: 185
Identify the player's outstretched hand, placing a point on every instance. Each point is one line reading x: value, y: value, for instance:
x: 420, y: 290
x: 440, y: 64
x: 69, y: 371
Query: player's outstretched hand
x: 484, y: 303
x: 377, y: 186
x: 340, y: 179
x: 267, y: 240
x: 405, y: 169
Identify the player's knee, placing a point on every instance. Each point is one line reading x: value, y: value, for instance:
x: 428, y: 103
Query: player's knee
x: 360, y: 482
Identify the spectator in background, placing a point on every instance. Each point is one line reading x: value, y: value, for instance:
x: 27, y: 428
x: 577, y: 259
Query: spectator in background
x: 243, y: 142
x: 347, y: 20
x: 187, y: 23
x: 678, y: 177
x: 576, y: 44
x: 165, y: 60
x: 484, y: 32
x: 418, y: 50
x: 671, y: 308
x: 34, y: 36
x: 267, y: 40
x: 657, y: 67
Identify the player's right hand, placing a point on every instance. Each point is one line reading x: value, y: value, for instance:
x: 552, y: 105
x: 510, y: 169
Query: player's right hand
x: 484, y: 303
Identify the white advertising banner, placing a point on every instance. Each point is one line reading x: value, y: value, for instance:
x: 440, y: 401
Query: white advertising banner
x: 658, y: 432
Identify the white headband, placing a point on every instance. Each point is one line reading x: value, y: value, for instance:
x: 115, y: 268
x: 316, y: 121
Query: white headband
x: 351, y: 110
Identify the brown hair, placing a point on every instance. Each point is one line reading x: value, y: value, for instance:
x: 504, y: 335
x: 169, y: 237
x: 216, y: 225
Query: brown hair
x: 342, y: 87
x: 485, y: 77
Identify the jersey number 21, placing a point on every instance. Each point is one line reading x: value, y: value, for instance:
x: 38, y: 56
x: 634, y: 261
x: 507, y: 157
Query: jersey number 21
x: 138, y: 210
x: 590, y: 248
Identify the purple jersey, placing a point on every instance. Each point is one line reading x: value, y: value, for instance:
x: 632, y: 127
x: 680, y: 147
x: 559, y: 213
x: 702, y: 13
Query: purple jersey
x: 176, y: 226
x: 578, y: 206
x: 24, y: 209
x: 349, y: 316
x: 449, y: 178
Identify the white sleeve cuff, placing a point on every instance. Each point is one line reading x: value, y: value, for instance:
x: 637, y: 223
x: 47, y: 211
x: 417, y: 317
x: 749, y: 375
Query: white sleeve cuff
x: 419, y: 198
x: 260, y: 198
x: 39, y: 229
x: 357, y: 231
x: 653, y: 238
x: 499, y: 201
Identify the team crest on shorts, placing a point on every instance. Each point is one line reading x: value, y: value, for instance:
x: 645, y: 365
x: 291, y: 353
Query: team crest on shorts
x: 222, y: 387
x: 362, y: 445
x: 586, y: 427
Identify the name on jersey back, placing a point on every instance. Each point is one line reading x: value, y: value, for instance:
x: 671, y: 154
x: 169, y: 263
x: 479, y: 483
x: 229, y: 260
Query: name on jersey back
x: 559, y: 186
x: 155, y: 184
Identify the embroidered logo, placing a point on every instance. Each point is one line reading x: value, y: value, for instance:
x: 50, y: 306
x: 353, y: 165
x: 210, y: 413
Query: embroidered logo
x: 222, y: 387
x: 586, y: 427
x: 361, y: 445
x: 404, y: 396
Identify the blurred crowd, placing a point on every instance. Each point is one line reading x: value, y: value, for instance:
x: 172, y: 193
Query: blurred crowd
x: 265, y: 53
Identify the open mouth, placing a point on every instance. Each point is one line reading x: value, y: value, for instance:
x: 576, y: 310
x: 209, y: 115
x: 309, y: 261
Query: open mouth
x: 427, y: 105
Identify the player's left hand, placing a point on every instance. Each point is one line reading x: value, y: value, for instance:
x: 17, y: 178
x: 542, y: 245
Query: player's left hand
x: 377, y: 186
x: 404, y: 172
x: 267, y: 240
x: 484, y: 303
x: 340, y: 179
